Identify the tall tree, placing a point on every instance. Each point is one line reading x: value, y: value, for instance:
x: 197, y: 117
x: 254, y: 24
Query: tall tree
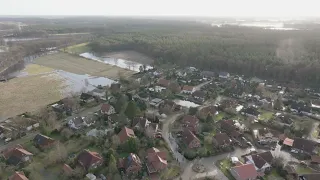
x: 131, y: 110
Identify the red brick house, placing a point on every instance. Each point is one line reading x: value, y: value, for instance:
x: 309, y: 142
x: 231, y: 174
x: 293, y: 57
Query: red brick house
x: 125, y: 134
x: 191, y: 123
x: 89, y: 160
x: 190, y: 139
x: 131, y: 164
x: 156, y: 160
x: 18, y: 176
x: 43, y: 141
x: 221, y: 140
x: 107, y: 109
x: 244, y: 172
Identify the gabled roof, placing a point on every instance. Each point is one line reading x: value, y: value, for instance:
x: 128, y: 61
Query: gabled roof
x: 43, y: 140
x: 246, y: 171
x: 140, y: 121
x: 88, y: 158
x: 67, y: 169
x: 188, y: 136
x: 163, y: 82
x: 190, y: 120
x: 156, y: 160
x: 18, y: 176
x: 315, y: 159
x: 209, y: 109
x: 105, y: 107
x: 262, y: 159
x: 304, y: 145
x: 288, y: 142
x: 187, y: 88
x: 125, y: 134
x: 132, y: 159
x: 222, y: 138
x: 200, y: 94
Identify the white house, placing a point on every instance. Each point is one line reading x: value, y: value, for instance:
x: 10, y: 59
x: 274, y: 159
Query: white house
x: 224, y: 75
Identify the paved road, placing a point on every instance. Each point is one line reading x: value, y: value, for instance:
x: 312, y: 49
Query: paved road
x: 170, y: 140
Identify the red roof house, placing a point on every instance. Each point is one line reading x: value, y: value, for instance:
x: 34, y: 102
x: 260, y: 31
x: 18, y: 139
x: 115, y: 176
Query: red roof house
x: 125, y: 134
x: 156, y: 160
x: 190, y: 139
x: 191, y: 122
x: 18, y: 176
x: 107, y: 109
x: 244, y: 172
x: 163, y: 82
x: 67, y: 170
x: 89, y: 160
x: 188, y: 89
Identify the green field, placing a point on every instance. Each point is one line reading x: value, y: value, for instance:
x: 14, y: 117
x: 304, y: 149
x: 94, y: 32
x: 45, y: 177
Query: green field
x: 77, y: 49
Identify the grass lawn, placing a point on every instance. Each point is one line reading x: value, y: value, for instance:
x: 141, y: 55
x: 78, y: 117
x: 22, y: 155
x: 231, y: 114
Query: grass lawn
x: 265, y: 115
x: 273, y: 176
x: 170, y: 172
x: 225, y: 166
x: 303, y: 170
x: 34, y: 69
x: 78, y: 65
x: 219, y: 116
x: 78, y: 48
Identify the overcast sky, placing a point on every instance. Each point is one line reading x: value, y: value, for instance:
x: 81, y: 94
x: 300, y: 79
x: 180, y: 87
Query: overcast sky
x: 258, y: 8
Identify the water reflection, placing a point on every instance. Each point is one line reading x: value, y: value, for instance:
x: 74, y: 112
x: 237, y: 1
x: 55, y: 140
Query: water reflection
x: 187, y: 104
x: 78, y: 83
x: 122, y: 63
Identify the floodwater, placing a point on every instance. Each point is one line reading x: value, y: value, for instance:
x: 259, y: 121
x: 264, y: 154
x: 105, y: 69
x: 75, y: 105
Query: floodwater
x: 122, y: 63
x: 187, y: 104
x: 19, y: 39
x: 259, y: 24
x: 78, y: 83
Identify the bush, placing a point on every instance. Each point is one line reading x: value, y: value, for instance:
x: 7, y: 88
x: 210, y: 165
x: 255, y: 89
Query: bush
x: 190, y: 154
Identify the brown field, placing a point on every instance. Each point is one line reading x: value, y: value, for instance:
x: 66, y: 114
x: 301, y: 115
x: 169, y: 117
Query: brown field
x: 130, y: 55
x: 29, y: 93
x: 79, y: 65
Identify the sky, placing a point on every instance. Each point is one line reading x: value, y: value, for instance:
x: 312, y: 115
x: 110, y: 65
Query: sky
x: 209, y: 8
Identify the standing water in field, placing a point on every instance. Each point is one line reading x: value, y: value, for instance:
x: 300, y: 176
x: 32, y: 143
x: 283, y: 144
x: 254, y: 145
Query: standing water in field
x: 122, y: 63
x: 77, y: 82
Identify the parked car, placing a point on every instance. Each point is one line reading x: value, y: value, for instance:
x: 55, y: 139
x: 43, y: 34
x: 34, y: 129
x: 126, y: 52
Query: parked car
x: 249, y: 143
x: 294, y: 151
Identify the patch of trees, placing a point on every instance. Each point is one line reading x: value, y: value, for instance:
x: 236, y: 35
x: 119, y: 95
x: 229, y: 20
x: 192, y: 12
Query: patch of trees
x: 285, y: 56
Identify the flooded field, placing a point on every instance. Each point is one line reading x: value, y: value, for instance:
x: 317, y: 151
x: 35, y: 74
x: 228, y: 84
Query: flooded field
x: 78, y: 65
x: 37, y: 86
x: 113, y: 59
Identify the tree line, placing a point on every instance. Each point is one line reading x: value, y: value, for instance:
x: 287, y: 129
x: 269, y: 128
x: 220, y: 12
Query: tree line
x: 283, y: 55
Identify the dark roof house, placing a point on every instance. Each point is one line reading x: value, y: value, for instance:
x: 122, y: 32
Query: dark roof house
x: 43, y: 141
x: 156, y: 160
x: 88, y: 159
x: 304, y: 145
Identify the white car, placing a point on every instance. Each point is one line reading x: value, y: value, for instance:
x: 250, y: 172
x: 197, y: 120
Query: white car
x: 294, y: 151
